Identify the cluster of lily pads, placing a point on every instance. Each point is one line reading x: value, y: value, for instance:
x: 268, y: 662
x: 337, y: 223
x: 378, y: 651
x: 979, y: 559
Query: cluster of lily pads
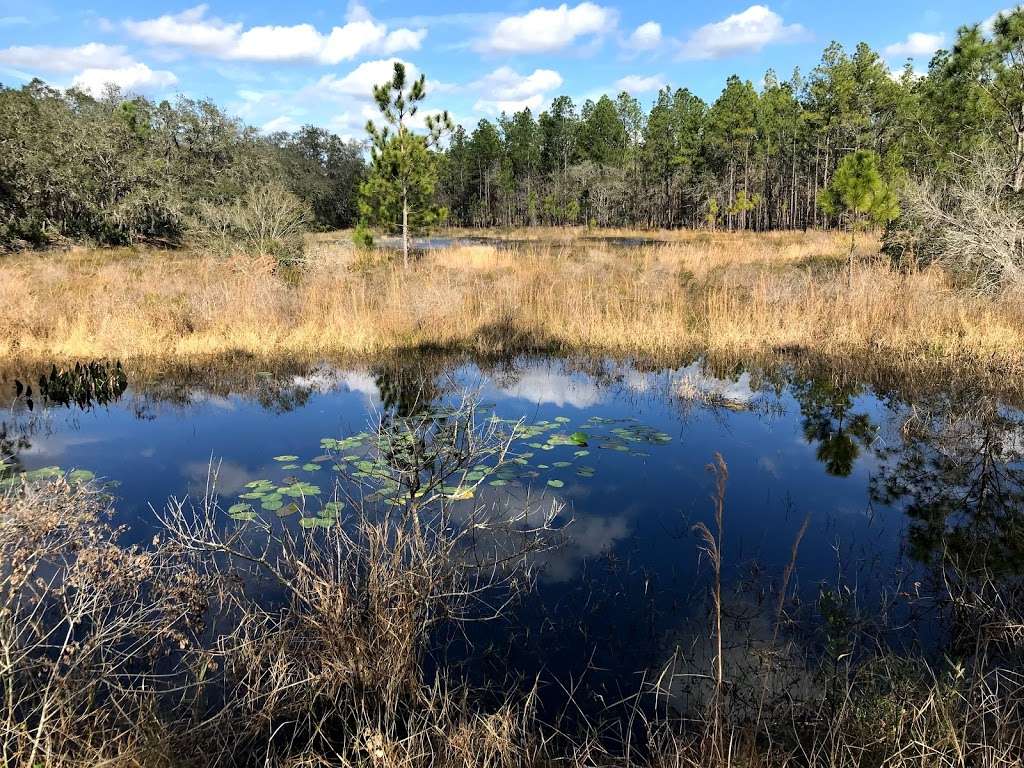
x: 10, y: 478
x: 548, y: 450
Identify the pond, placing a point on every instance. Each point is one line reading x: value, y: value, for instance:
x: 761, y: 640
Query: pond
x: 883, y: 481
x: 424, y: 244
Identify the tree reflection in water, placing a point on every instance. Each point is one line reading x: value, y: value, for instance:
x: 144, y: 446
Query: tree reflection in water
x: 958, y: 476
x: 826, y: 406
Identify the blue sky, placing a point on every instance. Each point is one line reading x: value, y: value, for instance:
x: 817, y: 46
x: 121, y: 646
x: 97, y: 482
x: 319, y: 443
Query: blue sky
x: 280, y: 65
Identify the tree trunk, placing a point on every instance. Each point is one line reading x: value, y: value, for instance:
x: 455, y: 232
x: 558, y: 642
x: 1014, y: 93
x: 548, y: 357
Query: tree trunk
x: 405, y: 229
x: 853, y: 243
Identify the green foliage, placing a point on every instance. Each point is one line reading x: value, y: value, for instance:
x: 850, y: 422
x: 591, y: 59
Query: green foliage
x: 120, y: 171
x: 362, y: 237
x: 399, y: 192
x: 858, y: 191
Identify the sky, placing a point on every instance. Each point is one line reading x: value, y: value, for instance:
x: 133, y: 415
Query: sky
x: 285, y: 64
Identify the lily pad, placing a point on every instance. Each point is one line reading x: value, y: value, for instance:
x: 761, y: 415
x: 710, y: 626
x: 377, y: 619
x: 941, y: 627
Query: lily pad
x: 285, y: 457
x: 555, y: 483
x: 241, y: 512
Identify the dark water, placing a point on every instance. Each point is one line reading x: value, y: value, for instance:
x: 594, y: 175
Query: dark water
x: 889, y: 481
x: 423, y: 244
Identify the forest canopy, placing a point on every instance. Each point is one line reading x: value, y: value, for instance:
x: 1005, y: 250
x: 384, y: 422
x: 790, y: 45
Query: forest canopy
x: 123, y: 169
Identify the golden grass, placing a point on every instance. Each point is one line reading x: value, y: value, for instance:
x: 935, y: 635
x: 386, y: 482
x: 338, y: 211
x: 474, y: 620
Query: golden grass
x: 732, y: 294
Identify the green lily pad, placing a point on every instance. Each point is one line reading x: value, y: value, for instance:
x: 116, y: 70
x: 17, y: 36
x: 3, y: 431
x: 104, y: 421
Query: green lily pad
x: 285, y: 457
x: 287, y: 510
x: 241, y: 512
x: 555, y: 483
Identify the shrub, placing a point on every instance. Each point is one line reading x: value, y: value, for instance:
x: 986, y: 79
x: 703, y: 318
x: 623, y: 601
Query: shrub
x: 267, y: 220
x: 973, y: 226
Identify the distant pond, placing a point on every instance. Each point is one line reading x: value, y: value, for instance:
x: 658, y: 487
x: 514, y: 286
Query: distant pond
x: 434, y: 243
x: 886, y: 484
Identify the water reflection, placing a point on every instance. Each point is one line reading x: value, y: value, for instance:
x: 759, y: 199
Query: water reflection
x: 84, y: 386
x: 942, y: 474
x: 957, y: 473
x: 830, y: 422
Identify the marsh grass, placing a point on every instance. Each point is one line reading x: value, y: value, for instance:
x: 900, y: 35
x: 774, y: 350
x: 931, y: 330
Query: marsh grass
x: 714, y: 294
x: 252, y: 645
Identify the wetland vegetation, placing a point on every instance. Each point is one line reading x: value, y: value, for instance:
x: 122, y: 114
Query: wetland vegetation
x: 691, y: 436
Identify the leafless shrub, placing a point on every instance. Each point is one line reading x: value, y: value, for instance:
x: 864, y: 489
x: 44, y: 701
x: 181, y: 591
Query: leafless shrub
x: 85, y: 624
x: 973, y: 226
x: 325, y: 632
x: 267, y: 220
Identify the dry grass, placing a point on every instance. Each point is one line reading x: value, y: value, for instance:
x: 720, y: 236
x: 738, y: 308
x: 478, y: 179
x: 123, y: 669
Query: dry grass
x: 731, y: 294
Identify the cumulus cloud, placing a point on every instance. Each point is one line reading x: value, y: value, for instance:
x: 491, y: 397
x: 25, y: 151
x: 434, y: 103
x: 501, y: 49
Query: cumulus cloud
x: 505, y: 90
x: 745, y: 32
x: 135, y: 78
x: 640, y: 83
x: 195, y: 30
x: 360, y: 81
x: 645, y: 37
x: 917, y: 44
x: 189, y: 29
x: 46, y: 58
x: 988, y: 25
x: 548, y: 29
x: 281, y: 123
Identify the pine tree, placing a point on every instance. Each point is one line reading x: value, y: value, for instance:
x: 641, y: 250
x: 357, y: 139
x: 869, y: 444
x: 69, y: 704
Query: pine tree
x: 858, y: 192
x: 403, y: 173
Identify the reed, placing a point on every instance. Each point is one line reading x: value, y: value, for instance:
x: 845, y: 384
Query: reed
x: 727, y: 294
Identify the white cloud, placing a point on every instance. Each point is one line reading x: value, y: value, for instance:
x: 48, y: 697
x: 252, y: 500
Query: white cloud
x: 46, y: 58
x: 282, y: 123
x: 548, y: 29
x: 134, y: 78
x: 349, y: 41
x: 189, y: 29
x: 988, y: 25
x: 640, y: 83
x: 506, y: 83
x: 360, y: 81
x: 917, y: 44
x: 645, y: 37
x: 745, y: 32
x: 505, y: 90
x: 404, y: 40
x: 300, y: 41
x: 194, y: 30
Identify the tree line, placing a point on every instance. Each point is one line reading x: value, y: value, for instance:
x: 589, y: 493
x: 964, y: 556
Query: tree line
x: 757, y: 157
x: 124, y: 169
x: 120, y: 170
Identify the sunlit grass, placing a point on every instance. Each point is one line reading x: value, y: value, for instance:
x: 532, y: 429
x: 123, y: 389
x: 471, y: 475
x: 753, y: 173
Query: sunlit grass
x: 733, y: 294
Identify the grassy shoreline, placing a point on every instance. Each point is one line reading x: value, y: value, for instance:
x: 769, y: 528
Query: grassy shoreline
x: 720, y: 294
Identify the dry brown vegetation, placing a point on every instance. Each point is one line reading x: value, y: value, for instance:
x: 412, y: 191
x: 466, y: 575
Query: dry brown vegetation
x: 251, y: 645
x: 716, y: 293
